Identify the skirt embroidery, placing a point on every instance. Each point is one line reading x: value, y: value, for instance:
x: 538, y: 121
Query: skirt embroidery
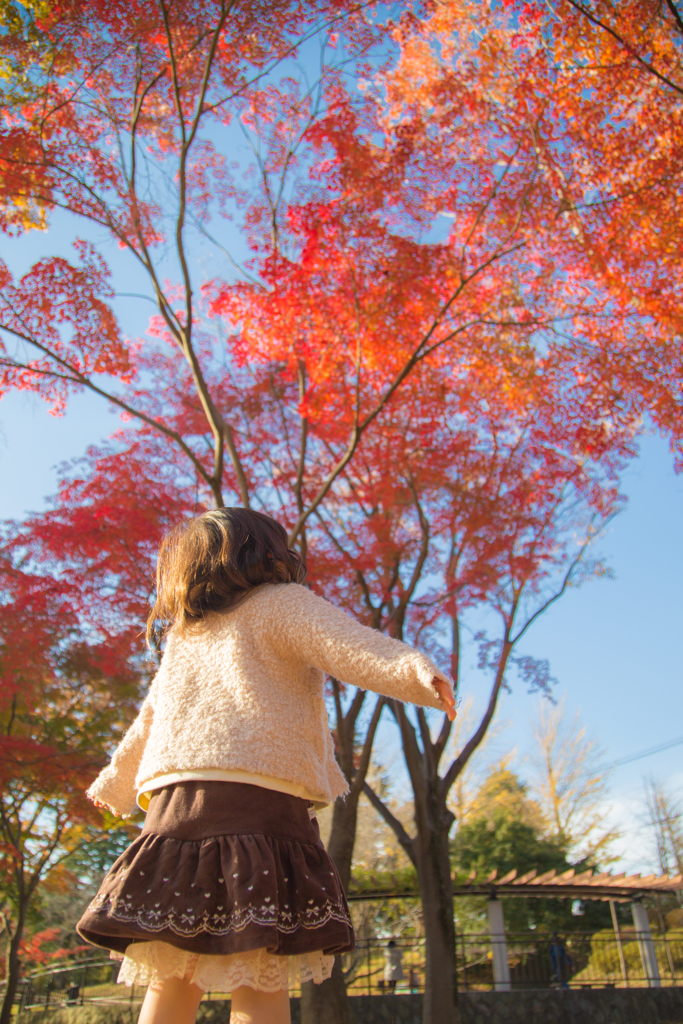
x: 229, y: 881
x: 145, y: 962
x: 193, y: 920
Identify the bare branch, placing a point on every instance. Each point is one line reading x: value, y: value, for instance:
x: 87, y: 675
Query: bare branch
x: 366, y: 753
x: 393, y: 822
x: 474, y: 741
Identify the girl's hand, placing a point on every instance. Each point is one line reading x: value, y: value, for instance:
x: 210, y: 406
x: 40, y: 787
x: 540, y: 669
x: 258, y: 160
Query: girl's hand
x: 446, y: 696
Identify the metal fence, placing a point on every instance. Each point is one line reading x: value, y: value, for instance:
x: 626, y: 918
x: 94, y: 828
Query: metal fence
x: 570, y: 960
x: 72, y: 984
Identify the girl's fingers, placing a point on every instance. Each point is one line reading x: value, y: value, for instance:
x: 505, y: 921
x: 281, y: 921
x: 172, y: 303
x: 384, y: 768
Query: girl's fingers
x: 445, y: 691
x: 446, y: 697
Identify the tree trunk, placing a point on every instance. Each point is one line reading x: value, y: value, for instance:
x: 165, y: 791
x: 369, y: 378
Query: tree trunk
x: 329, y: 1003
x: 432, y: 859
x: 12, y: 972
x: 343, y: 835
x: 429, y: 851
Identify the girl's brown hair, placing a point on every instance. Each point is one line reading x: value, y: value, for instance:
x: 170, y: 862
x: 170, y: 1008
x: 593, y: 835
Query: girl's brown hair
x: 207, y: 564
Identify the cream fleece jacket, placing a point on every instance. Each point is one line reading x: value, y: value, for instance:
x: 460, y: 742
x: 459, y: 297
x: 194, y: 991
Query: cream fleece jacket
x: 247, y: 693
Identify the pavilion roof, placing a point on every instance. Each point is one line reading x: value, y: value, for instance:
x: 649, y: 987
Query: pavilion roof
x: 585, y: 884
x: 576, y: 885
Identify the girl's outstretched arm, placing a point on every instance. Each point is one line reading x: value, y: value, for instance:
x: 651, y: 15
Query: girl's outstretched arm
x: 327, y: 638
x: 114, y: 787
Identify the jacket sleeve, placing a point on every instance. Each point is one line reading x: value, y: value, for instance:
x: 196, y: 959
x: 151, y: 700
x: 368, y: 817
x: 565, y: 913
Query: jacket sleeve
x: 114, y: 787
x: 329, y: 639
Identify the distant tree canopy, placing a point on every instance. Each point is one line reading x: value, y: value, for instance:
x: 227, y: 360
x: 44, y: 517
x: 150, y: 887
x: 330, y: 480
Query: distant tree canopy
x: 505, y: 829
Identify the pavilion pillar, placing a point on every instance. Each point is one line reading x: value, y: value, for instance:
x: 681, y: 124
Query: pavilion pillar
x: 501, y: 968
x: 646, y: 945
x: 620, y: 945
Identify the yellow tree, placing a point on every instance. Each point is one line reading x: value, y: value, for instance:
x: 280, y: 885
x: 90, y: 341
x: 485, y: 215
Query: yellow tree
x: 571, y: 783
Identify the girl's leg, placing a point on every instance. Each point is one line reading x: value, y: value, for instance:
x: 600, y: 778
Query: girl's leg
x: 171, y: 1001
x: 250, y: 1007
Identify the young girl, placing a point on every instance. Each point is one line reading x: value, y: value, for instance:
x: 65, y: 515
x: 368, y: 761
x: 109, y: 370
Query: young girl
x: 228, y: 886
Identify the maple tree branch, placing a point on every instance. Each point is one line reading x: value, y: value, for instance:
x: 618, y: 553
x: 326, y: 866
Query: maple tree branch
x: 361, y: 771
x: 36, y: 870
x: 442, y: 739
x: 76, y: 377
x: 521, y: 206
x: 355, y: 708
x: 293, y: 148
x: 360, y: 428
x: 627, y: 46
x: 13, y: 713
x: 287, y: 53
x: 367, y: 596
x: 301, y: 462
x: 427, y: 745
x: 497, y: 182
x: 424, y: 542
x: 392, y: 821
x: 105, y: 220
x: 345, y: 753
x: 139, y: 100
x: 132, y: 177
x: 208, y: 68
x: 6, y: 827
x: 325, y: 486
x: 59, y: 860
x: 69, y: 98
x: 265, y: 182
x: 590, y: 537
x: 411, y: 750
x: 375, y: 613
x: 397, y: 616
x: 222, y: 433
x: 424, y: 349
x: 677, y: 18
x: 517, y: 590
x: 174, y: 69
x: 246, y: 274
x: 28, y: 826
x: 468, y: 750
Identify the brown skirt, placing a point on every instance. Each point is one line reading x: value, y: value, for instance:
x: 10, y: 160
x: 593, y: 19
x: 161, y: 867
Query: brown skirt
x: 222, y: 868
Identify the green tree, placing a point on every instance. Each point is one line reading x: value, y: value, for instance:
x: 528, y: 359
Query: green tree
x: 505, y: 830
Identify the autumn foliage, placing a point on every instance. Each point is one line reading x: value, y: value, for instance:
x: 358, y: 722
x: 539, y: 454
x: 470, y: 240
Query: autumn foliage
x: 412, y: 289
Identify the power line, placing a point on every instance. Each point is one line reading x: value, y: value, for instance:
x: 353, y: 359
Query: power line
x: 645, y: 753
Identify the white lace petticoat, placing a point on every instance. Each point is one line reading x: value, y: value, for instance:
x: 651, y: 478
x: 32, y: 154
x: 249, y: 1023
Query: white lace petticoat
x: 144, y: 962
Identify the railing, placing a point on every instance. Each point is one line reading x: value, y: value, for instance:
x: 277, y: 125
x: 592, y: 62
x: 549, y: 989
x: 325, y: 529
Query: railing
x: 569, y: 960
x: 92, y: 981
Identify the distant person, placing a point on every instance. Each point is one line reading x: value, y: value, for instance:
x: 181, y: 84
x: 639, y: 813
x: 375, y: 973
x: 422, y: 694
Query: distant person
x: 560, y: 960
x: 228, y: 887
x: 393, y: 965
